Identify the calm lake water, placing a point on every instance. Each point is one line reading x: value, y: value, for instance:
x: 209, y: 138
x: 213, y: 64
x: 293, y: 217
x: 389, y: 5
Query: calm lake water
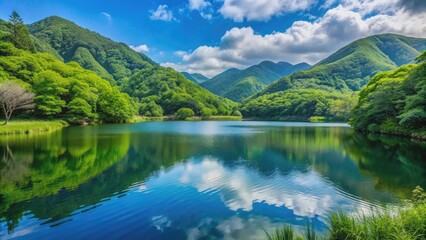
x: 197, y: 180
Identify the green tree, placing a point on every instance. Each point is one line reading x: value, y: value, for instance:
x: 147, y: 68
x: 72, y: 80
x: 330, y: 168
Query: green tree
x: 20, y: 35
x: 184, y: 113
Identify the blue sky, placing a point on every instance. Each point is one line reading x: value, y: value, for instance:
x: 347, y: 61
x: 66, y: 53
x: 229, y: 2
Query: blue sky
x: 209, y: 36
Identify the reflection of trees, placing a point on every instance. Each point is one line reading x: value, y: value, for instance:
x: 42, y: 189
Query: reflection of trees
x: 45, y: 164
x: 396, y: 164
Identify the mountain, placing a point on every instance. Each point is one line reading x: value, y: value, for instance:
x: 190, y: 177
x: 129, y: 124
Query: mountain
x: 69, y: 42
x: 158, y: 90
x: 352, y: 66
x: 329, y: 85
x: 238, y: 84
x: 195, y: 77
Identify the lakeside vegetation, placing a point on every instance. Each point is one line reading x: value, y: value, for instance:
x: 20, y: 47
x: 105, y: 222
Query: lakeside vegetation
x: 406, y: 222
x: 29, y: 127
x: 394, y: 102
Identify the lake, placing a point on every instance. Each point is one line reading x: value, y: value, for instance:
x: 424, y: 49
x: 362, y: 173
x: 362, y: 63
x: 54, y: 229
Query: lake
x: 197, y: 180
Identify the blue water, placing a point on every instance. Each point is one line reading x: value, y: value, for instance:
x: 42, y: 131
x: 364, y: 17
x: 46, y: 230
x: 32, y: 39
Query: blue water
x: 197, y: 180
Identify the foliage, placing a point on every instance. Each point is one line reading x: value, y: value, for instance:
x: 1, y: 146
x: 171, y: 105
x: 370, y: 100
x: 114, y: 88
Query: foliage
x: 184, y: 113
x: 163, y: 91
x: 19, y: 34
x: 238, y: 84
x: 300, y: 105
x: 394, y: 102
x: 113, y: 61
x: 64, y: 89
x: 14, y: 97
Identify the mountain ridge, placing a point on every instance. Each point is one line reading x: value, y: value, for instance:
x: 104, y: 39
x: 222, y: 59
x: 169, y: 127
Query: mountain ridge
x: 238, y: 84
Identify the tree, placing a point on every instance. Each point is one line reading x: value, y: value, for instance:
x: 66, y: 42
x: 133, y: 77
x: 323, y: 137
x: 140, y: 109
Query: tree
x: 184, y: 113
x: 20, y: 34
x: 14, y: 97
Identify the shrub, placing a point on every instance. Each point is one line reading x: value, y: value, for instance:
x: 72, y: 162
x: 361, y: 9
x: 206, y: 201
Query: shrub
x: 184, y: 113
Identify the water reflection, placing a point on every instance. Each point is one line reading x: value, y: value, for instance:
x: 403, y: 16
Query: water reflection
x: 189, y: 180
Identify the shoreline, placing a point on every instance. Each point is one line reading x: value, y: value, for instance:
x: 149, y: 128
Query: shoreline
x: 28, y: 127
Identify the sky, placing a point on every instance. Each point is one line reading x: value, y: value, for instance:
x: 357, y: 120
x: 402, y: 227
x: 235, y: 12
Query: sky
x: 210, y: 36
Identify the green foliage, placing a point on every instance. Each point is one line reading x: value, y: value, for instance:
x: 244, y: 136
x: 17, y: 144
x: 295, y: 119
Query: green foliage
x: 238, y: 84
x: 64, y: 90
x: 164, y: 88
x: 19, y: 34
x: 394, y: 102
x: 184, y: 113
x: 300, y: 105
x: 113, y: 61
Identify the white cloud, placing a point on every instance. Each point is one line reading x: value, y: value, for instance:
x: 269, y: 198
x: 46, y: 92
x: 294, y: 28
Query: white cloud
x: 162, y: 13
x: 140, y: 48
x: 308, y: 41
x: 107, y: 16
x: 198, y: 4
x: 238, y: 10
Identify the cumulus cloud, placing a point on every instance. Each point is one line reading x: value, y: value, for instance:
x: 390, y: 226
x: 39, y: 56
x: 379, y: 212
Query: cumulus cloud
x: 238, y: 10
x: 107, y: 16
x: 140, y: 48
x: 304, y: 41
x: 162, y: 13
x: 198, y: 4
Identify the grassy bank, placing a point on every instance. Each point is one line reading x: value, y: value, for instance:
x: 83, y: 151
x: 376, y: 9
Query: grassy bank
x: 31, y: 126
x: 407, y: 222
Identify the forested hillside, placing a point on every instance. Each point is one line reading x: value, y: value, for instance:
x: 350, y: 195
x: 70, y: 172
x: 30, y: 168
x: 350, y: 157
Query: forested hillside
x: 164, y: 91
x: 394, y: 102
x: 337, y: 77
x: 238, y: 84
x: 64, y: 39
x: 351, y: 67
x: 63, y: 90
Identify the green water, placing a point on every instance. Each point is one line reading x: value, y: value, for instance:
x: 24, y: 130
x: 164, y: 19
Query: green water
x: 197, y: 180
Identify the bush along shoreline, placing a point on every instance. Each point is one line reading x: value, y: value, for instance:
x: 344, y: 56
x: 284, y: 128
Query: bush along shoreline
x: 404, y: 222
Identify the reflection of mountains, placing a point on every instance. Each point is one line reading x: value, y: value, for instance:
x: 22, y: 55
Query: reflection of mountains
x: 59, y: 173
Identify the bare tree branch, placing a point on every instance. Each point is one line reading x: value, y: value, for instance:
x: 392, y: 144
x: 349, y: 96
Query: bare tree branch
x: 14, y: 97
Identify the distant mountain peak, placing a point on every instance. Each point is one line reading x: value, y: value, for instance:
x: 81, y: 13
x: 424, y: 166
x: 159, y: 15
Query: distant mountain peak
x: 238, y: 84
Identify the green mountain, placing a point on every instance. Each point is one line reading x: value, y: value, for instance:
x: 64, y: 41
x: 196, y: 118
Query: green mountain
x: 69, y: 42
x: 158, y: 90
x: 351, y: 67
x: 238, y: 84
x: 195, y: 77
x: 328, y: 86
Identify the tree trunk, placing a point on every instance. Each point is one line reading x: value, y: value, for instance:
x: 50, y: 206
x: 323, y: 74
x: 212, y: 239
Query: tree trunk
x: 6, y: 120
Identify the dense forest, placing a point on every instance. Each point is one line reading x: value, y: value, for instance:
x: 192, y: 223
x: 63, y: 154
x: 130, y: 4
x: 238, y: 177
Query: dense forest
x: 164, y: 91
x: 394, y: 102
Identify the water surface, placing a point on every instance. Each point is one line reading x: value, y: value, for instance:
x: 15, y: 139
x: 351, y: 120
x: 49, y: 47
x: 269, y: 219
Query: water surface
x: 197, y: 180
